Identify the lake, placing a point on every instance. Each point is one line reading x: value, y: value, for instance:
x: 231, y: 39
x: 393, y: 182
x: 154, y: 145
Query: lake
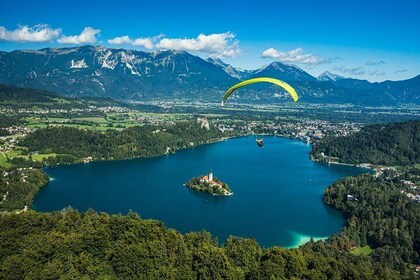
x: 277, y: 190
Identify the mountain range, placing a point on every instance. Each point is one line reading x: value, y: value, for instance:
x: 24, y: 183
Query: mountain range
x: 130, y: 74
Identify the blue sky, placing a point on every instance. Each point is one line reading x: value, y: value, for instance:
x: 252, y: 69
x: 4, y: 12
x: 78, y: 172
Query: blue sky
x: 374, y: 40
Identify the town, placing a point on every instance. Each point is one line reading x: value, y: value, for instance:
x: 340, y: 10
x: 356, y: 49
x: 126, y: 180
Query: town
x: 28, y: 119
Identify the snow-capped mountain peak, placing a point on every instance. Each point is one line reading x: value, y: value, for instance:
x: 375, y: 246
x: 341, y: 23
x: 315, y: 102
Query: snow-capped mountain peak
x: 328, y: 76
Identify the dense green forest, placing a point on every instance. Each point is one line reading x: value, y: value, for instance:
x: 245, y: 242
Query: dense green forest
x: 19, y: 97
x: 378, y: 215
x: 7, y: 121
x: 139, y: 141
x: 387, y: 144
x: 18, y: 186
x: 26, y: 95
x: 71, y: 245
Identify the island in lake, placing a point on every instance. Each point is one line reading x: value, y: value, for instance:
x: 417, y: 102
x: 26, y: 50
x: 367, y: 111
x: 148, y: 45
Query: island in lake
x: 209, y: 184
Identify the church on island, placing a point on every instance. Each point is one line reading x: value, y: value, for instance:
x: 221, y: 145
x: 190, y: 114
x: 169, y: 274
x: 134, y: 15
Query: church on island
x: 209, y: 179
x: 209, y: 184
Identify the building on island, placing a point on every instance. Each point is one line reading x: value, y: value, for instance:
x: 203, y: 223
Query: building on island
x: 351, y: 197
x: 210, y: 179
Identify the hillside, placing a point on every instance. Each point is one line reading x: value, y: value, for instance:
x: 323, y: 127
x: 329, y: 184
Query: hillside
x: 27, y: 97
x: 11, y: 94
x: 387, y: 144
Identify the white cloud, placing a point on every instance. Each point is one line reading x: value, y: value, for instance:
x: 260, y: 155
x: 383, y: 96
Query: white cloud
x: 87, y: 36
x: 147, y: 42
x: 144, y: 42
x: 216, y: 45
x: 37, y: 33
x: 120, y: 40
x: 295, y: 56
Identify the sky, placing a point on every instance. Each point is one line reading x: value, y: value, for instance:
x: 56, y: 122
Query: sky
x: 373, y: 40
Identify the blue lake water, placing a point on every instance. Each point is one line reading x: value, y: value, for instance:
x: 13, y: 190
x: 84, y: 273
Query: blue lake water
x: 278, y: 190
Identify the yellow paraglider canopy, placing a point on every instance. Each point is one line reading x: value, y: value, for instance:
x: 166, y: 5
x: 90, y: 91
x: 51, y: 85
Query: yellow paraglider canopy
x: 282, y: 84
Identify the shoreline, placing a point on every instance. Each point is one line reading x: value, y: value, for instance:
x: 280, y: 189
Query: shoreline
x: 368, y: 166
x: 302, y: 239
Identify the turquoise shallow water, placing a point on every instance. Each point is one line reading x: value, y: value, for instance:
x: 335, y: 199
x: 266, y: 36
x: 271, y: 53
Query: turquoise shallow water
x: 278, y: 190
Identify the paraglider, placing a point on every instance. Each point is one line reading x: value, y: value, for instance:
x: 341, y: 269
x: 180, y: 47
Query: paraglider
x: 260, y: 142
x: 282, y: 84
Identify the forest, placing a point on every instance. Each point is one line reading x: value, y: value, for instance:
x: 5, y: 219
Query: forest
x: 20, y: 185
x: 384, y: 144
x: 379, y: 215
x: 138, y: 141
x: 18, y: 97
x: 28, y: 95
x: 73, y: 245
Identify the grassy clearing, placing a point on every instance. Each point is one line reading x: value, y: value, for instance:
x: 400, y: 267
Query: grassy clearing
x: 40, y: 157
x: 36, y: 125
x: 37, y: 157
x: 14, y: 153
x: 362, y: 251
x: 45, y: 120
x: 111, y: 121
x: 214, y: 115
x: 93, y: 126
x: 3, y: 161
x: 99, y: 120
x: 94, y: 123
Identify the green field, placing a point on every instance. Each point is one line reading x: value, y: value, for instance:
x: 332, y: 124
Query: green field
x: 13, y: 153
x: 362, y: 251
x: 110, y: 121
x: 95, y: 123
x: 37, y: 157
x: 36, y: 125
x: 99, y: 120
x: 40, y: 157
x: 3, y: 161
